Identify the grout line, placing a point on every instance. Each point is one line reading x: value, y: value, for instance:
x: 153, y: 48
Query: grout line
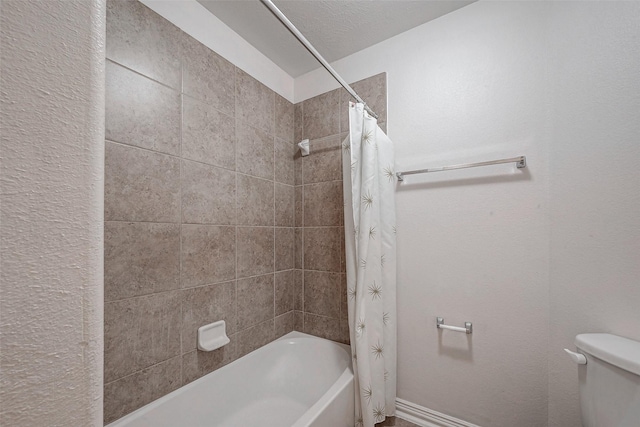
x: 145, y: 76
x: 179, y: 356
x: 181, y: 214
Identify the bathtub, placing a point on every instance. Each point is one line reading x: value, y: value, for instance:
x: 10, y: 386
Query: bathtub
x: 298, y: 380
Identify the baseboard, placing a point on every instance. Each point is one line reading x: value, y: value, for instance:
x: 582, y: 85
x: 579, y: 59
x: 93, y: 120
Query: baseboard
x: 425, y: 417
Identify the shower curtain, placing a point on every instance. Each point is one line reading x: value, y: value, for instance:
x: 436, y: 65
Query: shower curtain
x: 370, y: 242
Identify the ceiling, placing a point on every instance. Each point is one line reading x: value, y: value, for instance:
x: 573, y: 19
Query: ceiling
x: 336, y: 28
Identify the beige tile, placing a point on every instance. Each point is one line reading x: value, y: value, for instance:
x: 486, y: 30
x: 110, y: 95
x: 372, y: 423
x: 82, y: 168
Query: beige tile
x: 298, y: 290
x: 284, y: 161
x: 208, y: 77
x: 140, y: 332
x: 285, y: 205
x: 255, y: 150
x: 321, y: 115
x: 141, y: 112
x: 254, y: 102
x: 298, y: 321
x: 322, y: 249
x: 255, y: 201
x: 208, y: 136
x: 204, y: 305
x: 196, y: 364
x: 285, y: 283
x: 255, y: 300
x: 255, y: 251
x: 323, y: 204
x: 298, y: 206
x: 284, y: 324
x: 322, y: 293
x: 298, y: 251
x: 284, y: 248
x: 321, y: 326
x: 142, y: 40
x: 140, y: 258
x: 297, y: 122
x: 373, y: 90
x: 324, y: 163
x: 140, y: 185
x: 208, y: 255
x: 344, y: 331
x: 255, y: 337
x: 284, y: 119
x: 208, y: 194
x: 134, y: 391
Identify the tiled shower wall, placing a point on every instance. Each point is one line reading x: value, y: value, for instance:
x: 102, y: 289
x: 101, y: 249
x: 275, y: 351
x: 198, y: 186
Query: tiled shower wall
x: 321, y: 290
x: 199, y: 209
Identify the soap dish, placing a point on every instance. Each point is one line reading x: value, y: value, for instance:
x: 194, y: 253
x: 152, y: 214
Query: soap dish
x: 212, y: 336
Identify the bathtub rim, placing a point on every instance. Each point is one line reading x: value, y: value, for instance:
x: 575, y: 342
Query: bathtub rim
x: 320, y: 404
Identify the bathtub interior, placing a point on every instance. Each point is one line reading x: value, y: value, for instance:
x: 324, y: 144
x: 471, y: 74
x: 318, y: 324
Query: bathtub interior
x: 276, y: 385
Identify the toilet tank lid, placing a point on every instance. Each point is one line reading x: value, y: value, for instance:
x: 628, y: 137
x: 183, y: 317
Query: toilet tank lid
x: 618, y: 351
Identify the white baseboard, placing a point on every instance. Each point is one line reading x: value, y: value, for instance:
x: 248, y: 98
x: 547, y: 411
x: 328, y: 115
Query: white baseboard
x: 425, y: 417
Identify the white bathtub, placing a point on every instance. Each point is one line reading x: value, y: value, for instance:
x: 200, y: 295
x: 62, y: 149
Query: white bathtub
x: 298, y: 380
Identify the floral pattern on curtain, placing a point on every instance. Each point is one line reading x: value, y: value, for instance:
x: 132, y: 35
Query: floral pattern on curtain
x: 370, y: 242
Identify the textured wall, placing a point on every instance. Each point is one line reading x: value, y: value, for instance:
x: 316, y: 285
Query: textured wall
x: 532, y: 259
x: 595, y: 182
x: 321, y: 290
x: 199, y: 208
x: 52, y: 119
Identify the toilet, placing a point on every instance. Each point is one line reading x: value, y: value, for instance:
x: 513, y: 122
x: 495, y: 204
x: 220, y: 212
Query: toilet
x: 609, y: 378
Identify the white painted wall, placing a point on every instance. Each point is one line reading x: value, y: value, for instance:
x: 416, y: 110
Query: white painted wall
x: 51, y: 207
x: 530, y: 258
x: 195, y: 20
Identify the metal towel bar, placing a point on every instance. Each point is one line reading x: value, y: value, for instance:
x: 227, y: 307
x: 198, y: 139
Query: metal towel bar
x: 468, y: 327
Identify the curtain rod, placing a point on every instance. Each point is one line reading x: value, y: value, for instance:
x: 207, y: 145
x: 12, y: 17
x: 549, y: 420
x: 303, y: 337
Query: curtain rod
x: 302, y: 39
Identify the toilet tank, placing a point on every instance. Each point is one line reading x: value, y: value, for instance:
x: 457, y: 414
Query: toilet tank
x: 610, y: 381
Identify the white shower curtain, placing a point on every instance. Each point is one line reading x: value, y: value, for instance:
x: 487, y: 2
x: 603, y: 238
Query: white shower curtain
x: 370, y: 241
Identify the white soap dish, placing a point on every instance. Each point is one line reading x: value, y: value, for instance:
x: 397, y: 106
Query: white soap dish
x: 212, y: 336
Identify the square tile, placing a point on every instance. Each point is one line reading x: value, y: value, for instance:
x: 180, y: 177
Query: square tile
x: 255, y: 251
x: 284, y: 290
x: 324, y: 162
x: 284, y: 161
x: 255, y: 201
x: 134, y: 391
x: 255, y: 103
x: 204, y: 305
x: 285, y: 205
x: 255, y: 337
x: 284, y: 324
x: 142, y: 40
x: 140, y: 185
x: 322, y: 249
x: 322, y: 293
x: 284, y: 119
x: 323, y: 204
x: 284, y: 248
x: 323, y: 327
x: 141, y: 112
x: 140, y: 332
x: 255, y: 300
x: 208, y: 136
x: 255, y: 150
x: 208, y: 255
x: 196, y: 363
x: 140, y: 258
x: 208, y: 76
x: 208, y: 194
x: 321, y: 115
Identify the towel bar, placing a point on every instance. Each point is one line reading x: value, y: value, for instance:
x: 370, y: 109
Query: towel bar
x: 468, y: 327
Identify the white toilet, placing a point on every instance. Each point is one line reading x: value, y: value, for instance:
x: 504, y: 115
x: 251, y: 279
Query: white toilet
x: 609, y: 376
